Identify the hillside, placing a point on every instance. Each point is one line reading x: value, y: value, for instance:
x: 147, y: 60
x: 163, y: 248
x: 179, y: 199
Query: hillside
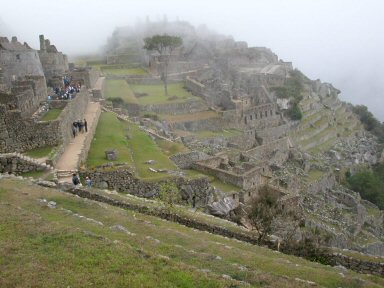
x: 76, y: 242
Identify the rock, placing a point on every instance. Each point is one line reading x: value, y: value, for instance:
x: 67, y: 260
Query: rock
x: 51, y: 204
x: 150, y: 162
x: 222, y: 207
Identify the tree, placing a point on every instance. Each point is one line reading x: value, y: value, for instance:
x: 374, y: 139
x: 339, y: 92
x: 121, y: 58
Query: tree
x: 164, y: 45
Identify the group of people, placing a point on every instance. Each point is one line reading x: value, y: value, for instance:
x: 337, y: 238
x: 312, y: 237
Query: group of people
x: 76, y: 180
x: 79, y: 126
x: 67, y: 92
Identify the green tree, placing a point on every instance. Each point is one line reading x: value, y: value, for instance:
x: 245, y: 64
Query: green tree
x: 164, y: 45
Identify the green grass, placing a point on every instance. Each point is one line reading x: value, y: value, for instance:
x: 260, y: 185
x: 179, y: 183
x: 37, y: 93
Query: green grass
x: 139, y: 148
x: 156, y: 93
x: 123, y: 71
x: 40, y: 152
x: 315, y: 175
x: 43, y: 247
x: 52, y: 114
x: 119, y: 89
x: 110, y: 133
x: 143, y: 149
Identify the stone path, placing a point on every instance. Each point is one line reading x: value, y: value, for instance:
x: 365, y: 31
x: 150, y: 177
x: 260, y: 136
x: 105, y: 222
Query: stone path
x: 69, y: 160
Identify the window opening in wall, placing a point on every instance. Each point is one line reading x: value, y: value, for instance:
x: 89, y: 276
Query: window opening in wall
x: 261, y: 115
x: 271, y: 112
x: 18, y: 56
x: 245, y: 119
x: 266, y: 113
x: 249, y: 193
x: 255, y: 115
x: 234, y: 196
x: 250, y: 117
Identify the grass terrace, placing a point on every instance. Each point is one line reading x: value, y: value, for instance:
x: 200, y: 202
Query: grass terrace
x: 40, y: 152
x: 134, y: 146
x: 155, y: 93
x: 119, y: 89
x: 110, y: 133
x: 81, y: 242
x: 123, y: 71
x: 52, y: 114
x: 171, y: 148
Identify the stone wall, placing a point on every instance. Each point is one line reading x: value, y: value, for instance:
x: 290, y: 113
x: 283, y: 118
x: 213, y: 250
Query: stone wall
x: 18, y: 134
x: 18, y: 60
x: 73, y: 111
x: 268, y: 151
x: 211, y: 124
x: 17, y: 164
x: 327, y: 181
x: 87, y: 76
x: 357, y: 265
x: 123, y: 180
x: 176, y: 108
x: 185, y: 160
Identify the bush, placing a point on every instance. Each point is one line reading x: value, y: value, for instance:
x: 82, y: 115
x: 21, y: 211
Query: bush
x: 294, y: 112
x: 369, y: 121
x: 370, y: 184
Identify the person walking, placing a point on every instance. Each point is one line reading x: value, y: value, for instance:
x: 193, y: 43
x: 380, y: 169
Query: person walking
x: 75, y: 179
x: 88, y: 181
x: 85, y: 125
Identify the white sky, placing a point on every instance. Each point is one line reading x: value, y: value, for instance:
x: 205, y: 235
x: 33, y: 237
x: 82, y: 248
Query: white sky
x: 338, y: 41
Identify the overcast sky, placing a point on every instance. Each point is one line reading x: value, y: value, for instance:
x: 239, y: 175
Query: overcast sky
x: 337, y: 41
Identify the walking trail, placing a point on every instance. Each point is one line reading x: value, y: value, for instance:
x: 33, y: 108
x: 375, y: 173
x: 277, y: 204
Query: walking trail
x: 69, y: 160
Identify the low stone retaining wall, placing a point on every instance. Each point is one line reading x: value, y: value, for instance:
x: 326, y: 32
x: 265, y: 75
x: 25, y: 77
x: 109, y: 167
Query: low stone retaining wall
x: 186, y: 160
x: 123, y: 180
x: 15, y: 163
x: 357, y: 265
x: 176, y: 108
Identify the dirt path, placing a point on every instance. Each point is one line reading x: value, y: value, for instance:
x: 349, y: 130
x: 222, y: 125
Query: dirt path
x: 70, y: 158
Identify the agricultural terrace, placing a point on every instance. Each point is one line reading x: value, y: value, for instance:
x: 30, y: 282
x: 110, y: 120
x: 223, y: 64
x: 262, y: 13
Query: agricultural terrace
x: 154, y: 94
x: 79, y: 239
x: 119, y: 89
x: 134, y: 147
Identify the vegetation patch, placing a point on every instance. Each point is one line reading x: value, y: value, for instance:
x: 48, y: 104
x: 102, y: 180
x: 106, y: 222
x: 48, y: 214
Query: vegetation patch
x: 40, y: 152
x: 171, y: 148
x: 370, y: 184
x: 52, y: 114
x: 155, y: 93
x: 111, y: 133
x: 119, y: 89
x: 143, y: 149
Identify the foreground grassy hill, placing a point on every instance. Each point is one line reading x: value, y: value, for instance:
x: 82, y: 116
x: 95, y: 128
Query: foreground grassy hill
x: 81, y: 243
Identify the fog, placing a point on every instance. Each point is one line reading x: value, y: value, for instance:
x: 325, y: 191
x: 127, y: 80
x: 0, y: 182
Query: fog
x: 337, y: 41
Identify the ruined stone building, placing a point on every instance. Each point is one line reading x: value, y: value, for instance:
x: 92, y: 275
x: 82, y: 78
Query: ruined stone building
x: 24, y: 76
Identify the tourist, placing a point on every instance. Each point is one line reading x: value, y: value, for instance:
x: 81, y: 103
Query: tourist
x: 80, y: 124
x: 73, y: 131
x: 88, y: 181
x: 75, y: 179
x: 85, y: 125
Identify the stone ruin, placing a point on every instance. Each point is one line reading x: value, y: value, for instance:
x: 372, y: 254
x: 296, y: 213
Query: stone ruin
x: 111, y: 155
x: 24, y: 75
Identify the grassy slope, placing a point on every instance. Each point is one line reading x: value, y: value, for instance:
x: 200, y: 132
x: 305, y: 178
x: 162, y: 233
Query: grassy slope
x: 156, y: 93
x: 119, y: 88
x: 111, y: 133
x: 43, y: 247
